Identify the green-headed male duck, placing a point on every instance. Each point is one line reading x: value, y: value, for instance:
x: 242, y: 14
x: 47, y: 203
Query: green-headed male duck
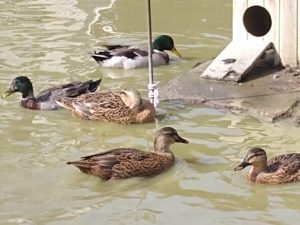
x: 130, y: 57
x: 46, y: 99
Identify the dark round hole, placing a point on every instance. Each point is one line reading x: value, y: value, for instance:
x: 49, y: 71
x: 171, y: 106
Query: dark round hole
x: 257, y: 21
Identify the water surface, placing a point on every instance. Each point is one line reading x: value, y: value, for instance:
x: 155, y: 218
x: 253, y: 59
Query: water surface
x: 49, y: 41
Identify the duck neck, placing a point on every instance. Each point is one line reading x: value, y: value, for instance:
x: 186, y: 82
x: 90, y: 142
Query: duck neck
x: 155, y: 46
x: 28, y: 94
x: 256, y: 170
x: 161, y: 146
x: 138, y: 106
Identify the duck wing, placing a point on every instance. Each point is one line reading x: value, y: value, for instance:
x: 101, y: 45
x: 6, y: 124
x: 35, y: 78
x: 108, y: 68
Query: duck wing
x: 72, y: 90
x: 121, y: 163
x: 102, y: 164
x: 287, y: 161
x: 114, y: 156
x: 142, y: 165
x: 121, y: 51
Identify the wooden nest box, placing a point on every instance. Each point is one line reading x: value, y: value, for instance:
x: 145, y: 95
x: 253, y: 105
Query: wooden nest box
x: 262, y: 30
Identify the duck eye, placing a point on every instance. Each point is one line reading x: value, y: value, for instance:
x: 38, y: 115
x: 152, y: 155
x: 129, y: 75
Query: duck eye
x: 172, y: 134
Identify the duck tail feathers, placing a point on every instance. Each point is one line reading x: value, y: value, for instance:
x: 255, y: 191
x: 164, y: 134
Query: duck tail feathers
x: 94, y: 85
x: 84, y: 167
x: 101, y: 56
x: 79, y: 164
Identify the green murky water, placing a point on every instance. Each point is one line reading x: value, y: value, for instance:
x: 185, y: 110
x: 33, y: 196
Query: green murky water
x: 48, y: 40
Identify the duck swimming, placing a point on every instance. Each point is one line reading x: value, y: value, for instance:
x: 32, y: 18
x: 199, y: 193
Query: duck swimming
x: 126, y: 106
x: 46, y: 99
x: 123, y: 163
x: 130, y: 57
x: 281, y: 169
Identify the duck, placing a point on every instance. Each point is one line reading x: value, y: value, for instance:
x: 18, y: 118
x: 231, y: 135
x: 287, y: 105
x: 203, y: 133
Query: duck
x: 131, y: 57
x: 125, y: 106
x: 280, y: 169
x: 122, y: 163
x: 45, y: 100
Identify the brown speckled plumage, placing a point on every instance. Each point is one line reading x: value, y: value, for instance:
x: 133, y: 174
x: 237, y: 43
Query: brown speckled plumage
x: 121, y: 106
x: 130, y: 162
x: 280, y: 169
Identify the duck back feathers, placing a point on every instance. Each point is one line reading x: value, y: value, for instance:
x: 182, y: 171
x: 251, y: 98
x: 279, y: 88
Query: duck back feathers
x: 128, y: 58
x: 70, y: 90
x: 46, y: 99
x: 281, y: 169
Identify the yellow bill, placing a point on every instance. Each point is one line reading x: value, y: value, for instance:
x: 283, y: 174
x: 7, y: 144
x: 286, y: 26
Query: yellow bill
x: 174, y: 50
x: 7, y: 93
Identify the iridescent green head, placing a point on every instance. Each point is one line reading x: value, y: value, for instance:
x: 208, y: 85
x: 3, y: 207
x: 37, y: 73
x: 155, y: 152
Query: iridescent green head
x: 165, y: 42
x: 20, y: 84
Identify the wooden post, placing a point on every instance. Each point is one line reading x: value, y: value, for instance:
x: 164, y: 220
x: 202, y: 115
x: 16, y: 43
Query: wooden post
x: 239, y: 31
x: 288, y: 31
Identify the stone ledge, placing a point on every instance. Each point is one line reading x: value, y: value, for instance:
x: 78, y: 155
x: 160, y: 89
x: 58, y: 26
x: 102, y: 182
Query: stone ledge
x: 268, y: 94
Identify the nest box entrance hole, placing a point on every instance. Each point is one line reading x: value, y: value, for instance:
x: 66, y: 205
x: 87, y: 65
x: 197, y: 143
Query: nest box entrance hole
x: 257, y: 21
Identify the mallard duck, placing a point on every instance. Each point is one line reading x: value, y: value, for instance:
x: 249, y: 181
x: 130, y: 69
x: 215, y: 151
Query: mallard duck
x: 126, y: 106
x: 281, y: 169
x: 130, y: 57
x: 123, y: 163
x: 46, y: 99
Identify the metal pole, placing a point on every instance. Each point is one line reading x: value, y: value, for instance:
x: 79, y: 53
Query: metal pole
x: 150, y: 66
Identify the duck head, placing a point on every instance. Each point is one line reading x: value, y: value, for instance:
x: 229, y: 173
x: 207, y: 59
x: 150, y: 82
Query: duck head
x: 255, y: 157
x: 165, y: 137
x: 20, y: 84
x: 165, y: 42
x: 131, y: 98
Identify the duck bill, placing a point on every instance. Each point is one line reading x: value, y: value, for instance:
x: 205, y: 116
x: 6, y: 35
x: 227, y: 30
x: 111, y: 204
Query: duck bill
x: 180, y: 139
x: 7, y: 93
x: 174, y: 50
x: 242, y: 165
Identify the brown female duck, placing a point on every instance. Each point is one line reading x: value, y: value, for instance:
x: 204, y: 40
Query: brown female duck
x: 281, y: 169
x: 130, y: 162
x: 46, y: 99
x: 125, y: 106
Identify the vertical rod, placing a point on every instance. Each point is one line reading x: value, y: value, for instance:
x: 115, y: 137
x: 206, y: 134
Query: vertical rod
x: 150, y: 65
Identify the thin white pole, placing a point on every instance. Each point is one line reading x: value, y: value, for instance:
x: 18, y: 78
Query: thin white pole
x: 150, y: 66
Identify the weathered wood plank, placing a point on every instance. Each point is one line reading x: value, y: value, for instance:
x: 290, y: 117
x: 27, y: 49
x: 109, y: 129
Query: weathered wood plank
x: 298, y: 34
x: 273, y: 7
x: 238, y: 30
x: 236, y: 60
x: 288, y: 31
